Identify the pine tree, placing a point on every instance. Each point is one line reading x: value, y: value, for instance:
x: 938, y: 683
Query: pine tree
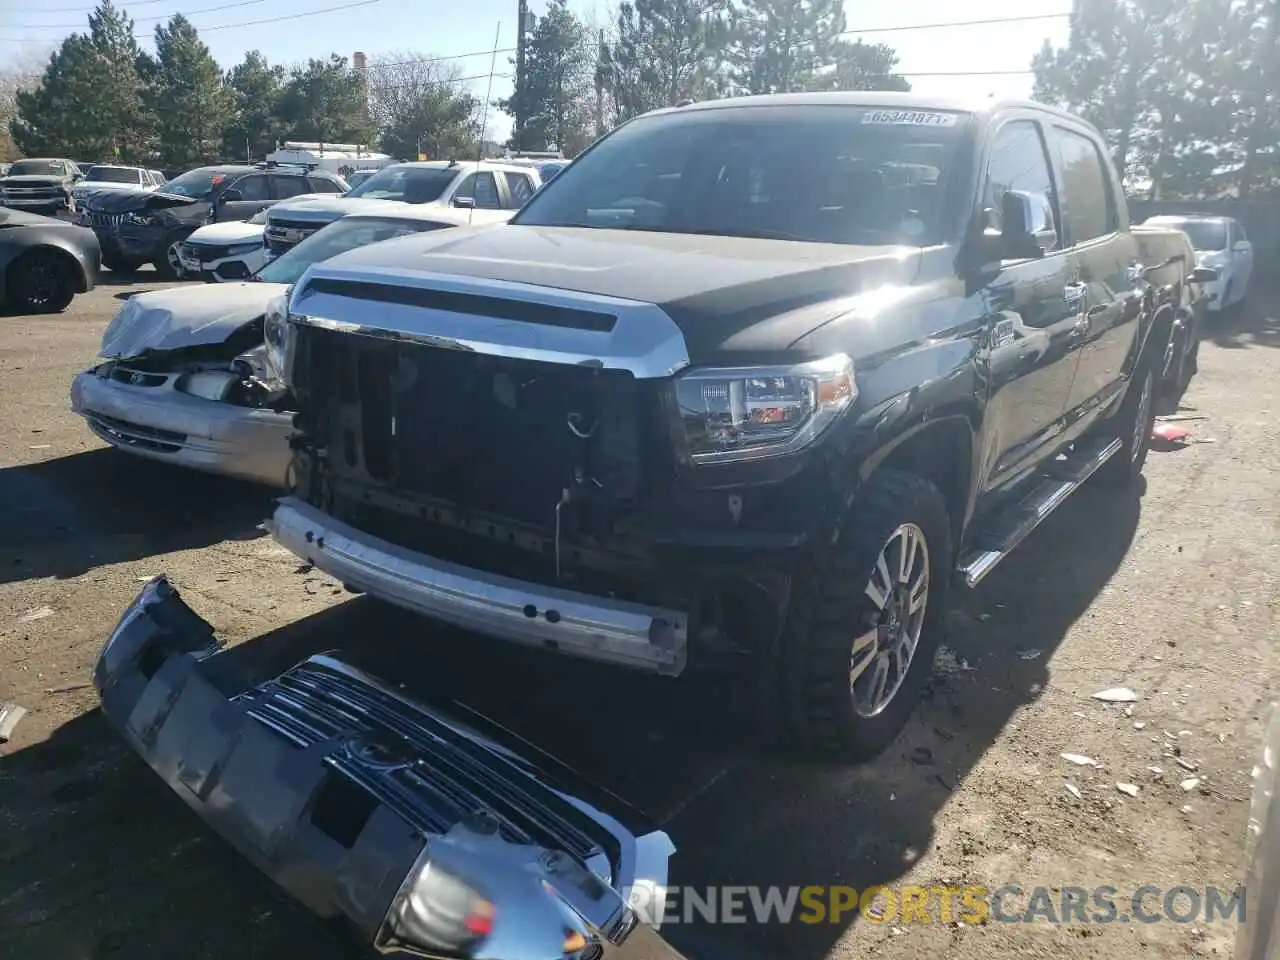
x: 667, y: 51
x: 553, y: 98
x: 780, y: 46
x: 327, y: 101
x: 88, y: 102
x: 256, y: 87
x: 186, y: 93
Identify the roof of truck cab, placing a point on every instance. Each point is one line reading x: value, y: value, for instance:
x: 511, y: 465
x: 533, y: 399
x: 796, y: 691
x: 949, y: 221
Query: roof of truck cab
x: 884, y: 100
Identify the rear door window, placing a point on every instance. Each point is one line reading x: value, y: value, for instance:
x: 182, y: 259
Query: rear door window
x: 520, y: 188
x: 1089, y: 209
x: 321, y: 185
x: 286, y: 187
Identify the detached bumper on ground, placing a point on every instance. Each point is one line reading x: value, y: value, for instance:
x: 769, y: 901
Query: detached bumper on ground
x: 162, y: 423
x: 598, y: 628
x: 429, y: 837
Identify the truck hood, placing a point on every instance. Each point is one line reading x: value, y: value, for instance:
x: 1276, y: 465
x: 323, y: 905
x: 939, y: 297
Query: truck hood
x: 123, y: 201
x: 185, y: 317
x: 728, y: 295
x: 32, y: 180
x: 110, y: 186
x: 225, y: 234
x: 323, y: 208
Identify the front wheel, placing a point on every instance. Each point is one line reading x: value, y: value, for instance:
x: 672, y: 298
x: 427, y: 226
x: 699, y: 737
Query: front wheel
x: 41, y: 282
x: 170, y: 266
x: 864, y: 620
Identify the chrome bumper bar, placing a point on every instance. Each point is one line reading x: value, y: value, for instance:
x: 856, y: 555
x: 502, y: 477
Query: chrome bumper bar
x: 627, y: 634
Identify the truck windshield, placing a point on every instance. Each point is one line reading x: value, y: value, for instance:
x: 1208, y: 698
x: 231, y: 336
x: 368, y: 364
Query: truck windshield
x: 824, y: 174
x: 37, y: 168
x: 112, y: 175
x: 1204, y: 234
x: 339, y: 237
x: 409, y: 184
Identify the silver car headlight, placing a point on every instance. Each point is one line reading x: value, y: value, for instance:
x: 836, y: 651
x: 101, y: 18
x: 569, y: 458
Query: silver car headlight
x: 277, y: 338
x: 735, y: 414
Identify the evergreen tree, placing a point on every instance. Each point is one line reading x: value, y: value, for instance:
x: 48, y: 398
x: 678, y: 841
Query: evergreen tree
x: 420, y: 105
x: 89, y: 101
x: 859, y: 66
x: 256, y: 87
x: 780, y: 46
x: 327, y: 101
x: 553, y: 98
x: 191, y: 104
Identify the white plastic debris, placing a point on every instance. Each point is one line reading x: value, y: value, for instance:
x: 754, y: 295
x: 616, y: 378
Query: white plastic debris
x: 1190, y: 784
x: 1138, y: 725
x: 1116, y: 695
x: 1130, y: 789
x: 1186, y: 764
x: 1079, y: 759
x: 1158, y: 771
x: 10, y: 714
x: 1128, y: 711
x: 1186, y: 808
x: 1073, y: 790
x: 35, y: 613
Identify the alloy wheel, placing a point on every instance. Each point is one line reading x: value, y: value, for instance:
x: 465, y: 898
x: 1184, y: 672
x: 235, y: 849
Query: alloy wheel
x: 174, y: 256
x: 1143, y: 425
x: 883, y: 651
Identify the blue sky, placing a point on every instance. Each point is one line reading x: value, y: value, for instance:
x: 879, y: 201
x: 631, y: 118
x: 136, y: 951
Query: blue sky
x: 450, y: 27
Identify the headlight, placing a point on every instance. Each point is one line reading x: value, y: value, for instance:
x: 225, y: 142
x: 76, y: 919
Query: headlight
x: 277, y: 338
x: 241, y: 249
x: 732, y: 414
x: 254, y: 363
x: 141, y: 219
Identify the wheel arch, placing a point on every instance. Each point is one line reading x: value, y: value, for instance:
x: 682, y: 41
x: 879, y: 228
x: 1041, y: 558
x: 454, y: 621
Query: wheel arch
x: 63, y: 251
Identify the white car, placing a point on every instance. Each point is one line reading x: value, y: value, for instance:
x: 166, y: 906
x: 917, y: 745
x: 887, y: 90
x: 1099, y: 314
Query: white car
x: 1221, y: 244
x: 491, y: 190
x: 185, y: 375
x: 222, y: 252
x: 109, y: 178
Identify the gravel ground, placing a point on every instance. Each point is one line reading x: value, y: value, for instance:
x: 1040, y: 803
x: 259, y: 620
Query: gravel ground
x: 1170, y: 591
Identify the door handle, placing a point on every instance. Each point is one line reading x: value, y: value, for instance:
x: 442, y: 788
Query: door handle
x: 1073, y: 292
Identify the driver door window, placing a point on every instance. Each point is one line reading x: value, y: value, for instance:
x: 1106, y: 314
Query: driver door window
x: 253, y: 189
x: 1019, y: 162
x: 483, y: 189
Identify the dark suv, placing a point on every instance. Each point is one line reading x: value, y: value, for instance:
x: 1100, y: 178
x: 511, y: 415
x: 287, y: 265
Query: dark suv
x: 134, y: 229
x: 40, y: 186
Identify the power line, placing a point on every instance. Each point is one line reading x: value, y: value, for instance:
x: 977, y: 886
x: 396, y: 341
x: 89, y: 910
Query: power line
x: 219, y: 26
x: 893, y: 29
x: 186, y: 13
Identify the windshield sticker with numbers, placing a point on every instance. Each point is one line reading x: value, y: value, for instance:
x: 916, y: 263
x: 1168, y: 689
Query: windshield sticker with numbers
x: 912, y: 118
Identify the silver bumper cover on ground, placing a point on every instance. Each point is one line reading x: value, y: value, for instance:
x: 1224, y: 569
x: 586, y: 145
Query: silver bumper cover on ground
x: 597, y: 628
x: 430, y: 837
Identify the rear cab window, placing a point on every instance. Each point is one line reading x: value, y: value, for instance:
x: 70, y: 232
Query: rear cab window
x: 1089, y: 207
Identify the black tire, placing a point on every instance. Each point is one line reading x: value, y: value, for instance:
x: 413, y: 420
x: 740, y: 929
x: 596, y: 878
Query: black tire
x: 41, y: 281
x: 831, y: 607
x: 166, y: 267
x: 1132, y: 424
x: 1182, y: 362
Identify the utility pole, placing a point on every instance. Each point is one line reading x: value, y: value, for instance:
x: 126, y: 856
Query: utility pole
x: 522, y: 18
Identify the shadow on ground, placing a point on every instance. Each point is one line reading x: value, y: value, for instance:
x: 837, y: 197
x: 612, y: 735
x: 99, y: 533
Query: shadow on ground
x: 1254, y: 323
x: 62, y: 517
x: 97, y: 858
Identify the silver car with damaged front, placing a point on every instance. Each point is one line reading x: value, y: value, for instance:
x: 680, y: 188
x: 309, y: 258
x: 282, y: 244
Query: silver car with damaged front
x: 430, y: 836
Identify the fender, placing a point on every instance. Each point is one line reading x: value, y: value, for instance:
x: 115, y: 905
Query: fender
x: 76, y: 242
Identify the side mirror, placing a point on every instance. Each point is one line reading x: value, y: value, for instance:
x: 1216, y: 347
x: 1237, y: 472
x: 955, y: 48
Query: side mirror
x: 1203, y: 275
x: 1242, y: 246
x: 466, y: 203
x: 77, y: 177
x: 1027, y: 228
x: 230, y: 195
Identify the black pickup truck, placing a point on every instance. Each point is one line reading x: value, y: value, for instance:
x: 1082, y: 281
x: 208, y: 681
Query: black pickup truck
x: 760, y: 374
x: 763, y: 376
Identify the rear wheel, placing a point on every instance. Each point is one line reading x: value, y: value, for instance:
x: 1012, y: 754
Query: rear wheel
x: 41, y: 282
x: 1132, y: 425
x: 864, y: 620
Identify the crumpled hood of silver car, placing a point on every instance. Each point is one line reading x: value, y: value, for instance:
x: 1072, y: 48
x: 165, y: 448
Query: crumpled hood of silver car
x: 418, y: 828
x: 188, y: 316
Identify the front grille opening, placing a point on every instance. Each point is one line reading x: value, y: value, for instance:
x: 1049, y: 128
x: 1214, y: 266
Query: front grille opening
x: 341, y: 809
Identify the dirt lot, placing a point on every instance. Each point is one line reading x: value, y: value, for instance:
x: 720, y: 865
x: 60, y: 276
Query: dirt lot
x: 1171, y: 591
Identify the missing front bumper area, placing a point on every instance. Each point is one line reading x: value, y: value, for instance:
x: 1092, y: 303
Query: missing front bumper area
x: 429, y: 837
x: 597, y: 628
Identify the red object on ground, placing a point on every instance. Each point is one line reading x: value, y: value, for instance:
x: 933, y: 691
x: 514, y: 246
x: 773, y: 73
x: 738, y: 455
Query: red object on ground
x: 1170, y: 433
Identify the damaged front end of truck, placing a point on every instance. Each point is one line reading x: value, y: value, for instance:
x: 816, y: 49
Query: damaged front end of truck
x: 425, y: 835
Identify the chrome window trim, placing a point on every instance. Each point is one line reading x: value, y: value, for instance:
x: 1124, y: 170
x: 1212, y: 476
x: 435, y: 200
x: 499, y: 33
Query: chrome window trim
x: 644, y: 341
